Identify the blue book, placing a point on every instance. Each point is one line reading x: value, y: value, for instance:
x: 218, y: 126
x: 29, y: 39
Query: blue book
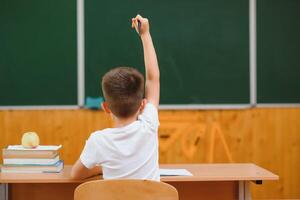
x: 56, y: 168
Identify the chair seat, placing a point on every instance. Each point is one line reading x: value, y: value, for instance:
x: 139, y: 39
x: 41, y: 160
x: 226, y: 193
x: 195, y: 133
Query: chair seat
x: 125, y: 189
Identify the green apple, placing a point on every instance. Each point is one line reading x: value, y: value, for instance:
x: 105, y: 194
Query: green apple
x: 30, y: 140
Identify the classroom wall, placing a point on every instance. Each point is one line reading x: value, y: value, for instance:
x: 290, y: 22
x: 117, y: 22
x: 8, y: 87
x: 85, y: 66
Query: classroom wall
x: 268, y: 137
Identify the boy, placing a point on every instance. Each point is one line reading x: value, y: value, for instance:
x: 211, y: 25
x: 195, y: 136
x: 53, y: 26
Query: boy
x: 130, y: 150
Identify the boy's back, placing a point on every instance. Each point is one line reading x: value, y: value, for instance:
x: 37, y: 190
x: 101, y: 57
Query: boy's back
x: 126, y: 152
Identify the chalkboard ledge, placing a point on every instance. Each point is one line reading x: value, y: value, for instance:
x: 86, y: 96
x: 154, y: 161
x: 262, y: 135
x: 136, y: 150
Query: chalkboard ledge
x: 50, y: 107
x: 203, y: 106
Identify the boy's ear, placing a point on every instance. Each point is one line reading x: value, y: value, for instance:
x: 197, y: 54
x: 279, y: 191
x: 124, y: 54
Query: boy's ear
x: 105, y: 107
x: 143, y: 104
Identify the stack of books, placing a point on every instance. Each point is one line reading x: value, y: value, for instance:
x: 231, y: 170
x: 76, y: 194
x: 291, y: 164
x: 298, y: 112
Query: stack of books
x: 42, y: 159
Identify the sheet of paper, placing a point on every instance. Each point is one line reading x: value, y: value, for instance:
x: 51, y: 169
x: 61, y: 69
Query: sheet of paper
x: 174, y: 172
x: 40, y: 147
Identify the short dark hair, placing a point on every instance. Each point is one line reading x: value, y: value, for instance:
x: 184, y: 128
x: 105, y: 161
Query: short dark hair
x: 123, y: 90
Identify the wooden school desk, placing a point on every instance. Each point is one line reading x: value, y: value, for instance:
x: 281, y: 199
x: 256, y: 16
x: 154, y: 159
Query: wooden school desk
x: 209, y: 181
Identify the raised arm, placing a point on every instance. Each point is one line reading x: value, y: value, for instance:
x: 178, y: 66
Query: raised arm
x: 151, y: 64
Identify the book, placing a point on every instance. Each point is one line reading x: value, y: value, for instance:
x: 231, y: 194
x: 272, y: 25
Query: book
x: 28, y: 154
x: 42, y: 151
x: 30, y: 161
x: 56, y: 168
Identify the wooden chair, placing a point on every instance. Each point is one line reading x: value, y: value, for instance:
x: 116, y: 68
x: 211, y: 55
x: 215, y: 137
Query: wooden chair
x: 125, y: 189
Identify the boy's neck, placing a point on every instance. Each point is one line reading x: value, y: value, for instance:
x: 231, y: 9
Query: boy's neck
x: 121, y: 122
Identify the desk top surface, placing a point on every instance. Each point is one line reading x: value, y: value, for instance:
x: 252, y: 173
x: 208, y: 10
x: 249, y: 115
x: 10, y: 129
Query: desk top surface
x: 201, y: 172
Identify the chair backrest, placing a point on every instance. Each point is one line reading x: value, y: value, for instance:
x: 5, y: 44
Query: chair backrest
x: 125, y: 189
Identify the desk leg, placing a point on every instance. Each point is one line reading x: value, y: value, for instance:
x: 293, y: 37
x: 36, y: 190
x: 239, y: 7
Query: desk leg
x: 3, y: 191
x: 244, y: 190
x: 241, y: 190
x: 247, y: 191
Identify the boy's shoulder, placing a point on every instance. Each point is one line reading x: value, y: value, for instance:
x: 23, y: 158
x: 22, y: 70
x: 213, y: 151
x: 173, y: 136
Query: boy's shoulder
x: 150, y: 115
x: 99, y: 133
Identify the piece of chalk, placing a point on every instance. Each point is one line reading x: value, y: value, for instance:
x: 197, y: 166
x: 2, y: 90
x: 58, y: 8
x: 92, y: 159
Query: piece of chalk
x: 139, y: 25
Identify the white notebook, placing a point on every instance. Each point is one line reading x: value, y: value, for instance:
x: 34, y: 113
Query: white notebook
x: 174, y: 172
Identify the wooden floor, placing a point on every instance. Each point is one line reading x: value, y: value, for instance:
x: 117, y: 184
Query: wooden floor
x: 268, y: 137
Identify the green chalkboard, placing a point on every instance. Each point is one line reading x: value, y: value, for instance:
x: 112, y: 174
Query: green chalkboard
x: 278, y: 50
x: 202, y: 47
x: 38, y: 52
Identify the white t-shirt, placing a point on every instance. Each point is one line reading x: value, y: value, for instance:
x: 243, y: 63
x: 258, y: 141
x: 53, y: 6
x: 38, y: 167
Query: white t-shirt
x: 128, y: 152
